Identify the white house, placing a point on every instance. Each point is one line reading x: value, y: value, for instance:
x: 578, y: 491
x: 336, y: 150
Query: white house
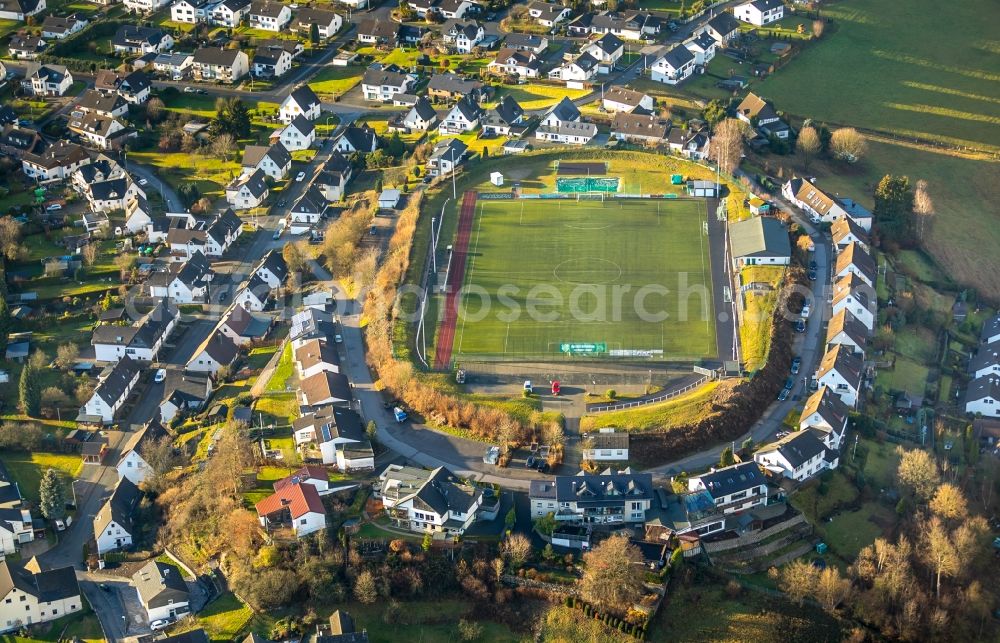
x: 308, y: 210
x: 844, y: 329
x: 810, y: 198
x: 247, y: 190
x: 522, y: 63
x: 273, y: 160
x: 357, y: 139
x: 607, y: 50
x: 269, y: 16
x: 607, y: 498
x: 254, y: 294
x: 21, y: 10
x: 735, y: 488
x: 526, y: 42
x: 270, y: 62
x: 242, y: 326
x: 548, y: 14
x: 583, y: 67
x: 388, y: 199
x: 162, y: 591
x: 340, y: 436
x: 421, y: 116
x: 505, y: 116
x: 327, y: 23
x: 640, y: 128
x: 447, y: 155
x: 982, y: 397
x: 132, y: 465
x: 845, y: 231
x: 622, y: 99
x: 113, y: 525
x: 216, y: 63
x: 16, y: 529
x: 674, y: 66
x: 272, y: 269
x: 723, y: 28
x: 215, y: 353
x: 842, y: 370
x: 184, y: 282
x: 46, y: 80
x: 324, y: 388
x: 144, y: 6
x: 462, y: 117
x: 140, y: 341
x: 60, y: 27
x: 111, y: 391
x: 759, y: 241
x: 303, y: 101
x: 465, y: 36
x: 606, y: 445
x: 762, y: 115
x: 852, y: 259
x: 702, y: 47
x: 184, y: 392
x: 991, y: 330
x: 428, y: 501
x: 825, y: 413
x: 298, y: 505
x: 300, y: 134
x: 99, y: 130
x: 852, y: 294
x: 132, y: 39
x: 229, y: 13
x: 29, y: 597
x: 192, y: 11
x: 316, y: 355
x: 799, y: 456
x: 382, y: 83
x: 986, y: 361
x: 760, y: 12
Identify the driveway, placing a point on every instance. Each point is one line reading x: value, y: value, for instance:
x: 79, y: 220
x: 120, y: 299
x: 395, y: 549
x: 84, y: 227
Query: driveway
x: 154, y: 184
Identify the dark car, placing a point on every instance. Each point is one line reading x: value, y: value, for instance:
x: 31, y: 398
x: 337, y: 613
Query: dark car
x: 530, y: 462
x: 783, y: 395
x: 796, y: 363
x: 812, y: 275
x: 800, y: 326
x: 543, y: 467
x: 812, y: 265
x: 789, y: 383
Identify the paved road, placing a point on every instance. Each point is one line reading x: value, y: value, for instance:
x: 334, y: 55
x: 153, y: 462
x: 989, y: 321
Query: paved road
x: 155, y: 184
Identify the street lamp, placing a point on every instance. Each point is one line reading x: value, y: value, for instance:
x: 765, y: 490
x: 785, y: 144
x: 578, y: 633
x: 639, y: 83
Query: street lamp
x: 454, y: 194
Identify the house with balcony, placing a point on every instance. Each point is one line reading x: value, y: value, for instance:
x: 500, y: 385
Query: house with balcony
x: 218, y: 64
x: 435, y: 502
x: 607, y: 498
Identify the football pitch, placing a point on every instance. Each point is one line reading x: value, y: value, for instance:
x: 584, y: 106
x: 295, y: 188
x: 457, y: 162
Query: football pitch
x: 549, y: 278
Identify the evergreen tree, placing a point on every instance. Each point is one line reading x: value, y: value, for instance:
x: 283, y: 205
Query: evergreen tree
x: 395, y: 147
x: 5, y: 323
x: 727, y: 459
x: 894, y: 209
x: 52, y: 495
x: 314, y: 34
x: 30, y: 395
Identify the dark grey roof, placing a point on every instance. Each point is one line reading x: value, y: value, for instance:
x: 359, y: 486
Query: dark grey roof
x: 733, y: 479
x: 143, y: 334
x: 678, y: 56
x: 585, y: 489
x: 160, y: 584
x: 453, y: 83
x: 119, y: 507
x: 254, y: 154
x: 991, y: 328
x: 194, y: 636
x: 448, y: 147
x: 609, y: 43
x: 311, y: 323
x: 256, y: 183
x: 570, y: 128
x: 221, y: 349
x: 361, y: 138
x: 640, y: 125
x: 798, y: 448
x: 303, y: 125
x: 116, y: 383
x: 314, y: 15
x: 564, y: 110
x: 331, y: 422
x: 47, y: 586
x: 380, y: 29
x: 468, y: 108
x: 135, y: 36
x: 424, y: 109
x: 725, y: 23
x: 766, y: 5
x: 101, y: 102
x: 216, y: 56
x: 508, y: 110
x: 523, y: 40
x: 983, y: 387
x: 183, y: 387
x: 266, y: 8
x: 443, y: 492
x: 275, y: 264
x: 378, y: 74
x: 586, y: 62
x: 312, y: 201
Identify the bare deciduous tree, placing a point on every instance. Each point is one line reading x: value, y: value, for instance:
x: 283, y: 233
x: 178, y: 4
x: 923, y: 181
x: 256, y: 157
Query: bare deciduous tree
x: 67, y: 354
x: 612, y: 575
x: 798, y: 580
x: 918, y: 472
x: 223, y: 145
x: 727, y: 144
x: 89, y: 254
x: 817, y: 28
x: 154, y: 109
x: 949, y: 503
x: 831, y: 589
x: 10, y: 238
x: 848, y: 144
x: 808, y: 145
x: 516, y: 549
x: 923, y: 207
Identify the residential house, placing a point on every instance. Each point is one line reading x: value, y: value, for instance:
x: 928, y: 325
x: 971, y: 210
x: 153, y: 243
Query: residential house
x: 463, y: 117
x: 526, y: 42
x: 548, y: 14
x: 570, y: 133
x: 59, y: 27
x: 985, y: 361
x: 825, y: 414
x: 640, y: 128
x: 303, y: 101
x: 447, y: 155
x: 113, y: 194
x: 141, y: 341
x: 434, y: 502
x: 316, y: 355
x: 318, y: 477
x: 857, y: 212
x: 144, y: 6
x: 607, y: 498
x: 300, y: 134
x: 607, y: 50
x: 382, y: 83
x: 132, y: 464
x: 760, y: 114
x: 134, y: 86
x: 214, y: 354
x: 26, y: 47
x: 308, y: 210
x: 242, y: 326
x: 332, y: 180
x: 357, y: 139
x: 799, y: 456
x: 247, y: 190
x: 844, y: 329
x: 113, y: 525
x: 230, y: 13
x: 103, y: 132
x: 465, y: 36
x: 192, y: 11
x: 177, y: 65
x: 381, y: 33
x: 216, y: 63
x: 803, y: 194
x: 184, y: 392
x: 674, y: 66
x: 563, y: 112
x: 162, y: 591
x: 627, y: 25
x: 456, y: 9
x: 28, y: 597
x: 982, y: 396
x: 702, y: 47
x: 842, y: 370
x: 991, y: 330
x: 46, y: 80
x: 270, y: 62
x: 111, y: 392
x: 268, y: 15
x: 853, y: 294
x: 622, y: 99
x: 846, y: 231
x: 760, y: 12
x: 184, y: 282
x: 423, y: 8
x: 132, y: 39
x: 327, y: 23
x: 253, y: 294
x: 10, y: 492
x: 16, y: 529
x: 521, y: 63
x: 274, y: 160
x: 340, y: 436
x: 723, y: 28
x: 606, y: 445
x: 324, y: 388
x: 732, y: 489
x: 297, y: 504
x: 579, y: 69
x: 421, y: 116
x: 759, y: 241
x: 452, y: 87
x: 20, y: 10
x: 507, y: 118
x: 689, y: 143
x: 57, y: 161
x: 272, y: 269
x: 16, y: 141
x: 853, y: 259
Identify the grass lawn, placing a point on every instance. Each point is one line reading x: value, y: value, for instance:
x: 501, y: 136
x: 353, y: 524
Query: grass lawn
x: 816, y: 506
x: 703, y: 612
x: 259, y: 357
x: 83, y: 626
x: 28, y: 468
x: 210, y: 173
x: 755, y: 328
x: 557, y: 278
x: 222, y: 619
x: 536, y: 96
x: 880, y: 464
x: 283, y: 371
x: 908, y: 375
x: 335, y: 81
x: 279, y: 408
x: 924, y: 77
x: 675, y: 412
x: 849, y: 532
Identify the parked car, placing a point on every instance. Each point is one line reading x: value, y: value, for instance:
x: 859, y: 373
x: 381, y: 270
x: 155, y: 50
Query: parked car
x: 789, y: 383
x: 52, y: 207
x: 796, y: 364
x: 530, y: 462
x: 189, y: 90
x: 161, y: 374
x: 783, y: 395
x: 800, y: 326
x: 338, y: 338
x: 143, y: 181
x: 159, y: 624
x: 300, y: 176
x: 812, y: 275
x: 542, y: 467
x: 806, y: 310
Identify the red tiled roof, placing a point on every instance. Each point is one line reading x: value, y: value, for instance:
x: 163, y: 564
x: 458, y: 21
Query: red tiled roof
x: 300, y: 499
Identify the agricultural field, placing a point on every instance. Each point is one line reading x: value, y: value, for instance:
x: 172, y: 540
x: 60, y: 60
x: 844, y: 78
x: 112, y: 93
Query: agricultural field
x: 577, y: 271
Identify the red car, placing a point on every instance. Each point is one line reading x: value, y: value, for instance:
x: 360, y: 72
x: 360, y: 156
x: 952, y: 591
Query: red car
x: 555, y: 387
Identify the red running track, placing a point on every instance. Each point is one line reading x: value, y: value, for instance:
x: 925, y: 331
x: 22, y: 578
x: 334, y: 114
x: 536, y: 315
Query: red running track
x: 446, y: 337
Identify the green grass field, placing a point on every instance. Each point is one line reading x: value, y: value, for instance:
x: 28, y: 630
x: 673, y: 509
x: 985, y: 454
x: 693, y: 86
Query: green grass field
x: 901, y: 67
x: 587, y: 272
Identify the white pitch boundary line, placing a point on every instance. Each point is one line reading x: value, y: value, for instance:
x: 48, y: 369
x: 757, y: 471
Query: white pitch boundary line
x: 709, y: 323
x: 469, y: 270
x: 505, y: 338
